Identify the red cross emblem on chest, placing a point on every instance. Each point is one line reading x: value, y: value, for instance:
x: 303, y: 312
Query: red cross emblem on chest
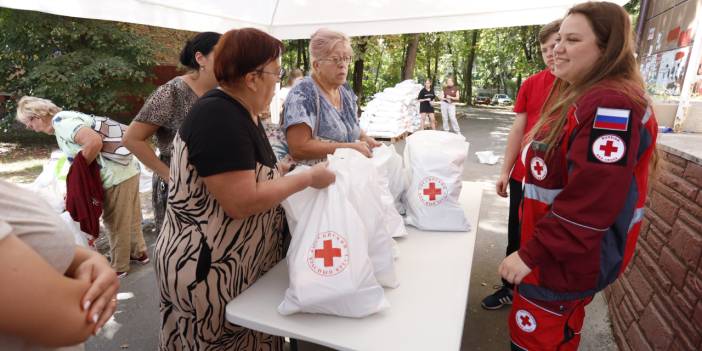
x: 538, y: 168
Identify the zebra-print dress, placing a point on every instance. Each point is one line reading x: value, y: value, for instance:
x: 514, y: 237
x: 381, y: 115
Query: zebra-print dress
x: 205, y: 258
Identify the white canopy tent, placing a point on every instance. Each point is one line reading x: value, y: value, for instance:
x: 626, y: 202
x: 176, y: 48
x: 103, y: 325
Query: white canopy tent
x: 296, y: 19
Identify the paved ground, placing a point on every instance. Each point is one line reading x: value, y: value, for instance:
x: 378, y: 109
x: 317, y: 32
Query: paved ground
x: 136, y: 324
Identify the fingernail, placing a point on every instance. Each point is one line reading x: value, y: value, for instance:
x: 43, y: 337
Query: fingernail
x: 86, y: 305
x: 95, y: 318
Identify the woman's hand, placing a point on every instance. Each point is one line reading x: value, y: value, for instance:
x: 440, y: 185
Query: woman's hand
x: 362, y: 147
x: 321, y: 176
x: 513, y: 269
x: 372, y: 143
x: 501, y: 185
x: 100, y: 301
x: 284, y: 166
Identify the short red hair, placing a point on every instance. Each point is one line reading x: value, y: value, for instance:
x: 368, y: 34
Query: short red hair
x: 241, y: 51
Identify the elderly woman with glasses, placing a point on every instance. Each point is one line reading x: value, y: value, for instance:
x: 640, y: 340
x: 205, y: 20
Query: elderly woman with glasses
x: 224, y: 226
x: 320, y: 111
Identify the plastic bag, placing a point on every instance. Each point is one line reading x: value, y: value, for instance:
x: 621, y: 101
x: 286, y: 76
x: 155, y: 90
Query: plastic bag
x: 434, y: 162
x: 389, y: 164
x: 50, y: 185
x: 358, y: 179
x: 329, y: 267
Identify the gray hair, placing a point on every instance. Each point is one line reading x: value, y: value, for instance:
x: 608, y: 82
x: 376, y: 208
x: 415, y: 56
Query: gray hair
x: 324, y: 40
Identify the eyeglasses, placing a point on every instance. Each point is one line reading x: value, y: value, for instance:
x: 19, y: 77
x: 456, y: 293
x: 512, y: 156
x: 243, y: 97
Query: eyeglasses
x: 338, y: 60
x: 278, y: 74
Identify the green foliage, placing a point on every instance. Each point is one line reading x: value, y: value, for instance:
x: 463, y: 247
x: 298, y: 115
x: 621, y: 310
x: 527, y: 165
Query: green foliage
x: 80, y: 64
x: 504, y: 54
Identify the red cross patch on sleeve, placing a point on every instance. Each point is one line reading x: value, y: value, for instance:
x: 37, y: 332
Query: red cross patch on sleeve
x: 609, y: 136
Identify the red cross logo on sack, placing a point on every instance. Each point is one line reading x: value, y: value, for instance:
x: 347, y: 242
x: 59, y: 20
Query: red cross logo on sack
x: 432, y: 191
x: 525, y: 321
x: 538, y: 168
x: 608, y: 148
x: 329, y: 254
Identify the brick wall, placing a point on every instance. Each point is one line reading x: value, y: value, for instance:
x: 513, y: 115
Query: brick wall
x: 657, y: 303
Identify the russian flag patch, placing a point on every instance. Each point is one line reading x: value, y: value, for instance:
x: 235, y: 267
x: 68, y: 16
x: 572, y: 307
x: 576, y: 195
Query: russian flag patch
x: 611, y: 119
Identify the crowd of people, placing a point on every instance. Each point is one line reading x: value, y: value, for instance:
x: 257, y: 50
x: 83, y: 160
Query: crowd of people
x: 220, y: 175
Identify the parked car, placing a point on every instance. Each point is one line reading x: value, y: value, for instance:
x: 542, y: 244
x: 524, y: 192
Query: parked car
x: 482, y: 98
x: 501, y: 99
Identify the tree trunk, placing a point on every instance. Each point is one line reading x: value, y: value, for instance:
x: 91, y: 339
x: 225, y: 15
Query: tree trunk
x: 410, y: 57
x: 468, y: 69
x: 377, y: 68
x: 428, y: 61
x: 298, y: 59
x: 454, y: 64
x: 436, y: 61
x: 358, y: 66
x: 305, y: 56
x: 519, y: 84
x: 524, y: 38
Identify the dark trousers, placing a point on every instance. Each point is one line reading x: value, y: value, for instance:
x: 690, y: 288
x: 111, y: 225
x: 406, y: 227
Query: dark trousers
x: 513, y: 225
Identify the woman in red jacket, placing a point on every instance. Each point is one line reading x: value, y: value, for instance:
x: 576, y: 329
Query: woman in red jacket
x: 587, y: 165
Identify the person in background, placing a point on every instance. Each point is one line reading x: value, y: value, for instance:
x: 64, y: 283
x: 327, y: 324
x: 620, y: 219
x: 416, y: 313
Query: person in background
x: 320, y: 111
x: 121, y: 207
x: 588, y: 161
x: 224, y: 226
x: 426, y: 110
x: 54, y: 294
x: 448, y: 106
x: 294, y: 76
x: 531, y: 97
x: 164, y: 111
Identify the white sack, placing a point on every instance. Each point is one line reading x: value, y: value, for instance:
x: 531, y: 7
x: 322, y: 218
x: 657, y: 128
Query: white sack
x: 389, y: 164
x: 329, y: 267
x: 50, y: 185
x: 362, y: 187
x: 434, y: 162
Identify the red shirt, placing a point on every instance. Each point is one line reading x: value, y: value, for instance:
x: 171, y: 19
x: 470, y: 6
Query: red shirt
x: 530, y: 99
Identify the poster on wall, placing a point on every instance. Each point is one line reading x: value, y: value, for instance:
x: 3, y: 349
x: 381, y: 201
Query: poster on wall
x: 671, y: 71
x: 649, y: 72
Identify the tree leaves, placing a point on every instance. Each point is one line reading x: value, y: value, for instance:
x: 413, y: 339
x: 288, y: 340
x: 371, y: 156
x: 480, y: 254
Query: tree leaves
x: 86, y: 65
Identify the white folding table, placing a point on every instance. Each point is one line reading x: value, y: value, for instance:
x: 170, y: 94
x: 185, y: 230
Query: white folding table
x: 426, y: 311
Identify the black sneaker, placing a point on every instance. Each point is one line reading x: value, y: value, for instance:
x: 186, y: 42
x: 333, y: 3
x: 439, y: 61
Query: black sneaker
x: 500, y: 298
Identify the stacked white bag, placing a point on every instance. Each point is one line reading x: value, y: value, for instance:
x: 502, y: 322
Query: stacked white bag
x: 434, y: 162
x: 393, y: 111
x: 388, y: 163
x: 333, y: 253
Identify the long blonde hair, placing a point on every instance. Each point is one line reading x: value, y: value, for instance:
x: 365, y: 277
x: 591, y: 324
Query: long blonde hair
x: 616, y: 68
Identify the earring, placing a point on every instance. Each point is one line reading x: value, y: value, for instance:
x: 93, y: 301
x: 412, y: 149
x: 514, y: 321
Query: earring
x: 202, y: 68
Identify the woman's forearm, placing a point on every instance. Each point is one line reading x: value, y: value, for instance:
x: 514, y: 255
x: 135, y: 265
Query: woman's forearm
x: 43, y: 305
x: 143, y: 151
x: 314, y: 149
x: 241, y: 196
